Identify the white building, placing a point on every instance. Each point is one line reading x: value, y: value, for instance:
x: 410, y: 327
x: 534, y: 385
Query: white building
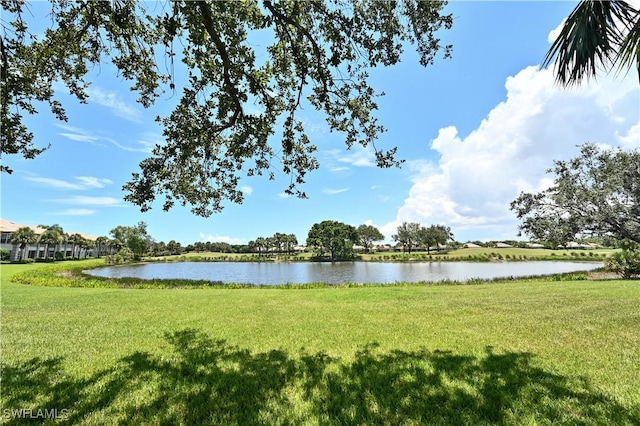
x: 36, y: 250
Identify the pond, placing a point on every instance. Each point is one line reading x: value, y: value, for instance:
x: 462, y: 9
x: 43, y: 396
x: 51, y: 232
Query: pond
x: 268, y: 273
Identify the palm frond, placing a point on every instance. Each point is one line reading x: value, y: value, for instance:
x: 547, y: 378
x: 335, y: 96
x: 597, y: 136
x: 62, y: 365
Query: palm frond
x: 630, y: 48
x: 590, y: 38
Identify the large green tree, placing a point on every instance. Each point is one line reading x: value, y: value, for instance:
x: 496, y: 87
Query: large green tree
x: 367, y: 234
x: 136, y: 238
x: 333, y: 237
x: 250, y: 67
x: 597, y: 34
x: 434, y: 235
x: 408, y: 234
x: 596, y: 193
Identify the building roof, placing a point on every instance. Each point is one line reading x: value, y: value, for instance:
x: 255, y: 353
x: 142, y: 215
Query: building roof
x: 471, y: 245
x: 9, y: 226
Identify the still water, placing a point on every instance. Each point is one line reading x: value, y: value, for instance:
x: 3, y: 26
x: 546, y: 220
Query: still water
x: 337, y: 273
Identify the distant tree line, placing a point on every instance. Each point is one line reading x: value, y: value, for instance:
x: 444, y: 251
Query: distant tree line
x: 413, y: 235
x: 278, y: 243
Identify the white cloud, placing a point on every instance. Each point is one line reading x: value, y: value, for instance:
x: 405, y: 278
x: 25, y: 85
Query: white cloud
x: 356, y: 156
x: 144, y: 148
x: 75, y: 212
x: 54, y: 183
x: 145, y: 144
x: 84, y: 182
x: 476, y: 177
x: 220, y: 238
x: 90, y: 201
x: 93, y: 182
x: 554, y: 33
x: 632, y: 139
x: 283, y: 195
x: 112, y: 101
x: 337, y: 169
x: 149, y: 140
x: 331, y: 191
x: 77, y: 134
x: 247, y: 190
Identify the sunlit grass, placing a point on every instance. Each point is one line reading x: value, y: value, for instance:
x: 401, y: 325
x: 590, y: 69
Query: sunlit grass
x: 529, y: 351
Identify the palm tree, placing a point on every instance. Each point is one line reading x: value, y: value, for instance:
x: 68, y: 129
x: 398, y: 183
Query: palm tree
x: 23, y: 237
x: 101, y: 245
x: 290, y: 241
x: 65, y: 240
x: 76, y: 241
x: 260, y: 245
x: 597, y: 33
x: 54, y: 229
x: 87, y: 244
x: 37, y: 256
x: 48, y: 237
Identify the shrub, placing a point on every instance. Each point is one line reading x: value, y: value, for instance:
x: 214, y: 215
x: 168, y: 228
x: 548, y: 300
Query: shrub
x: 626, y: 263
x: 4, y: 254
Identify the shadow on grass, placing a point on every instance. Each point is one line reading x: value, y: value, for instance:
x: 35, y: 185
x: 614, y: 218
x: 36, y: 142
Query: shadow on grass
x: 206, y: 381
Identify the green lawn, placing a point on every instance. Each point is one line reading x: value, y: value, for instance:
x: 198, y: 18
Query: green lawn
x: 522, y: 352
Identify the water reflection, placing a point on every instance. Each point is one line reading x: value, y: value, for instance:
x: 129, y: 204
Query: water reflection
x: 267, y: 273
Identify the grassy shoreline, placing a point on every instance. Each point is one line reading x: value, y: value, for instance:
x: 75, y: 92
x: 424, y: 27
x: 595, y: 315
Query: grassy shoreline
x: 522, y: 352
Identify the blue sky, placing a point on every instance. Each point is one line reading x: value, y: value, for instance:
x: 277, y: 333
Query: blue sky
x: 475, y: 131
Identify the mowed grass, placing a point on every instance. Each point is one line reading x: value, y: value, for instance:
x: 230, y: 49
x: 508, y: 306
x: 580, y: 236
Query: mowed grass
x: 521, y: 352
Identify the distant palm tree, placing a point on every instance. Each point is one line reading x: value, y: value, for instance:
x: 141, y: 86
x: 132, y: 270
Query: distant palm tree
x: 55, y: 236
x: 23, y: 237
x: 48, y: 237
x: 65, y: 241
x: 85, y: 245
x: 76, y: 241
x: 596, y: 34
x: 101, y: 245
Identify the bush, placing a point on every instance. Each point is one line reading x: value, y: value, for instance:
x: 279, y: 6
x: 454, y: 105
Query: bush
x: 626, y: 263
x: 4, y: 254
x: 123, y: 256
